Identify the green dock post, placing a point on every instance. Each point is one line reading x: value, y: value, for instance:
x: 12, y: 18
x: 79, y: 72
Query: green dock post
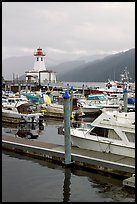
x: 66, y: 186
x: 71, y: 100
x: 83, y: 90
x: 68, y: 87
x: 67, y: 128
x: 125, y: 97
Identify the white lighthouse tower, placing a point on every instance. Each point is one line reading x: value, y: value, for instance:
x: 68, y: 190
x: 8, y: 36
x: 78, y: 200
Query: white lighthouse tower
x: 39, y: 64
x: 39, y: 73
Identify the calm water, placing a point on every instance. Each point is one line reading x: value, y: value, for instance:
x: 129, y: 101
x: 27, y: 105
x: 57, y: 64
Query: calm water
x: 30, y: 180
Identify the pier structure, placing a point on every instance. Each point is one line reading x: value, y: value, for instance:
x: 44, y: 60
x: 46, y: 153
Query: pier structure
x: 121, y: 166
x: 12, y: 85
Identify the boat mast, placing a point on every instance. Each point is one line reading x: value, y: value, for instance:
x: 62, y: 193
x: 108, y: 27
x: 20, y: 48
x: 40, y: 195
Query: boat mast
x: 124, y: 79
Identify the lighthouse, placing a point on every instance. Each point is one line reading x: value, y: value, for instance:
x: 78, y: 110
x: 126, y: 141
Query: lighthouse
x: 39, y: 73
x: 39, y: 64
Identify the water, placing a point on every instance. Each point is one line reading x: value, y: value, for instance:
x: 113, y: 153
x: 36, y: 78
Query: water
x: 26, y: 179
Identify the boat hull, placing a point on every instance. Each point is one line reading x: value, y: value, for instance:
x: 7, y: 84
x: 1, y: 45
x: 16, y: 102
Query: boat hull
x: 103, y: 146
x: 12, y: 117
x: 15, y: 117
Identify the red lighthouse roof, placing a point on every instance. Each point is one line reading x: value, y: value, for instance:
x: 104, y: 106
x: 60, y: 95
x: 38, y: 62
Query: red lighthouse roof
x: 39, y: 52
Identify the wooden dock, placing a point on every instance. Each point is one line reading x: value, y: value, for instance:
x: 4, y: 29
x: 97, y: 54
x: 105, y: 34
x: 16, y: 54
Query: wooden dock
x: 87, y: 159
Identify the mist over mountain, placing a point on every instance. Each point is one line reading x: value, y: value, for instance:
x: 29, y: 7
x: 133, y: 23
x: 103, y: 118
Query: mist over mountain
x: 19, y: 65
x: 110, y: 67
x: 87, y: 68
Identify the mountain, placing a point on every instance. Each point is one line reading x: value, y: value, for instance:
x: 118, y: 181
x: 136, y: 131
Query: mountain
x: 19, y: 65
x: 94, y: 68
x: 110, y: 67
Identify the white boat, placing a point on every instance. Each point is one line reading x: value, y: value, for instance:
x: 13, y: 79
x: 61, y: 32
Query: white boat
x: 21, y: 112
x: 95, y: 102
x: 111, y: 132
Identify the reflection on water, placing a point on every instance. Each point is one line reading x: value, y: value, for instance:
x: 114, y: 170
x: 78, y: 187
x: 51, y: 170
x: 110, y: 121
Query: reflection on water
x: 27, y: 130
x: 45, y: 181
x: 34, y: 130
x: 66, y: 186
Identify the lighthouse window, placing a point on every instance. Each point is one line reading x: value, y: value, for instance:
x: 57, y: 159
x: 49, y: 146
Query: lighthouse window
x: 41, y: 59
x: 37, y: 59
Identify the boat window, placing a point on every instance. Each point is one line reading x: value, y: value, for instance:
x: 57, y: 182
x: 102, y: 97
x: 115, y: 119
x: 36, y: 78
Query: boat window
x: 130, y: 136
x: 103, y: 132
x: 97, y: 97
x: 9, y: 108
x: 119, y: 86
x: 11, y: 101
x: 113, y: 135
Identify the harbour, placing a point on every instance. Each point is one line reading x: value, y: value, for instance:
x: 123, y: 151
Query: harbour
x: 31, y: 141
x: 68, y: 102
x: 28, y: 169
x: 43, y: 142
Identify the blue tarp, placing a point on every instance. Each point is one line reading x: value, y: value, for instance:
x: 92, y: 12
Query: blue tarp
x: 33, y: 98
x: 131, y: 100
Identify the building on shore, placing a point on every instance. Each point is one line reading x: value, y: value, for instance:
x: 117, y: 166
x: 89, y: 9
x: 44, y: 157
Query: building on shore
x: 39, y: 73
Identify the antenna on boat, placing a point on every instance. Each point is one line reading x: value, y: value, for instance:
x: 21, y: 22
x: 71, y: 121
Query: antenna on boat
x: 124, y: 76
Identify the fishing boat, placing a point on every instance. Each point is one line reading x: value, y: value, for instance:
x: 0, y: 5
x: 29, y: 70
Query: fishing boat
x: 111, y: 132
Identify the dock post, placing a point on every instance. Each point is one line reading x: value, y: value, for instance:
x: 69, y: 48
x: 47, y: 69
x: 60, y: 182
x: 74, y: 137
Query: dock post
x: 67, y: 128
x: 5, y: 88
x: 83, y: 90
x: 66, y: 186
x: 19, y: 88
x: 30, y: 87
x: 68, y: 87
x: 71, y: 100
x: 125, y: 97
x: 26, y: 88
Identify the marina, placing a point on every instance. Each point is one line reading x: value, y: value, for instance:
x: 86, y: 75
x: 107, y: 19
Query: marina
x: 40, y: 97
x: 108, y: 161
x: 38, y: 177
x: 32, y: 142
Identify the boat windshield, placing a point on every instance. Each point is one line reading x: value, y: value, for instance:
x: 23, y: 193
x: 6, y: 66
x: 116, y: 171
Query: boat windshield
x: 97, y: 97
x: 86, y: 125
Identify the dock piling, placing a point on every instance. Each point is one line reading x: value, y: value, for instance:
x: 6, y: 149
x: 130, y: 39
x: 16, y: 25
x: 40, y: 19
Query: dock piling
x: 71, y: 100
x: 125, y: 97
x: 67, y: 128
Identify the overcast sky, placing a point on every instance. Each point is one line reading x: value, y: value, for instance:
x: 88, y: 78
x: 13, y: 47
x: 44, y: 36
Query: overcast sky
x: 67, y: 28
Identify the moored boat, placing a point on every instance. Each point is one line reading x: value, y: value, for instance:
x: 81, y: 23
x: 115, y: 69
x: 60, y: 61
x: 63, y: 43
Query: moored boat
x: 111, y: 132
x: 21, y: 112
